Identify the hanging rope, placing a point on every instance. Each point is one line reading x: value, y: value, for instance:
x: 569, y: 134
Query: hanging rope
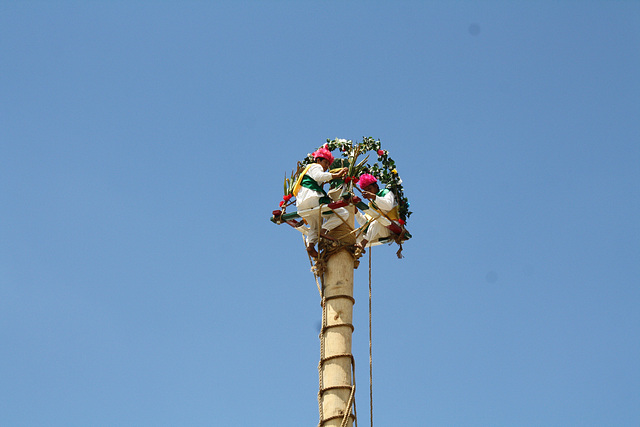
x: 370, y: 348
x: 312, y: 267
x: 320, y: 376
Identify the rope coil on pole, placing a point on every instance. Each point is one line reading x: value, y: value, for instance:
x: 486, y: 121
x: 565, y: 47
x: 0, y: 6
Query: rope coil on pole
x: 342, y: 238
x: 324, y: 359
x: 350, y: 411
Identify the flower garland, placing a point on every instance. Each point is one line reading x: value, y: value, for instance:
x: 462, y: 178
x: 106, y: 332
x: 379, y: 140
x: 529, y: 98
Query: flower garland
x: 386, y: 171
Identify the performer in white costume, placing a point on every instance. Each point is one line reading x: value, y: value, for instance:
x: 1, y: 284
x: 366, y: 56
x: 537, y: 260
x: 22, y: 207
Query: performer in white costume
x: 310, y: 194
x: 384, y: 201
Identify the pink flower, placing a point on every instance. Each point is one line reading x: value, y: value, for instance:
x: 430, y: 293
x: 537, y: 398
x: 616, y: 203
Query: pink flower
x: 380, y: 153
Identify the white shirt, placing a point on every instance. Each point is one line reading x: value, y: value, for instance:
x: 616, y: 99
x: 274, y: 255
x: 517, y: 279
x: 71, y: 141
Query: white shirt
x: 386, y: 203
x: 316, y: 173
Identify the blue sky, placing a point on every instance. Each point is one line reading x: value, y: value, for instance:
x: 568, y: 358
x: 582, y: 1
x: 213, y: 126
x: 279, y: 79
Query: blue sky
x: 142, y: 149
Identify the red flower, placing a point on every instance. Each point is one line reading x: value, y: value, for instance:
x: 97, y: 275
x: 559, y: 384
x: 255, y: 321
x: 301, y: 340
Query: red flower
x: 347, y: 179
x: 287, y: 197
x: 401, y: 221
x: 380, y: 153
x: 281, y: 203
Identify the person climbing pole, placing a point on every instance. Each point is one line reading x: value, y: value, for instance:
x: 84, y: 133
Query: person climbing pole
x: 383, y: 201
x: 310, y: 194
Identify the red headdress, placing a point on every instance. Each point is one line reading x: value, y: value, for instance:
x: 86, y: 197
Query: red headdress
x: 324, y: 153
x: 366, y: 180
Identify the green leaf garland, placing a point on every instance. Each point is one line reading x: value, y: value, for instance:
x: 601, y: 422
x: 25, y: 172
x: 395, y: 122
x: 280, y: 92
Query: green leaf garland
x: 384, y: 169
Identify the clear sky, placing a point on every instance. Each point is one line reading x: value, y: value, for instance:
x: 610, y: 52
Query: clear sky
x: 142, y: 149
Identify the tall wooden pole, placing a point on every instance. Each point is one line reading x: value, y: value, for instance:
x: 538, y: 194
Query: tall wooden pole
x: 337, y: 393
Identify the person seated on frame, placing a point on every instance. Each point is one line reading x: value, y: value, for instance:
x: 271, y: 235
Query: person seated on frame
x: 383, y: 201
x: 310, y: 194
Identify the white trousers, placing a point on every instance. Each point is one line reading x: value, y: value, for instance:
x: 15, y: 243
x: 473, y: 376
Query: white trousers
x: 376, y: 231
x: 314, y: 219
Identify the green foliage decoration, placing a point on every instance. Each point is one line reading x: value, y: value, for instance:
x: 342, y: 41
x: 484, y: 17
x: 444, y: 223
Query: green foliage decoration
x: 384, y: 169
